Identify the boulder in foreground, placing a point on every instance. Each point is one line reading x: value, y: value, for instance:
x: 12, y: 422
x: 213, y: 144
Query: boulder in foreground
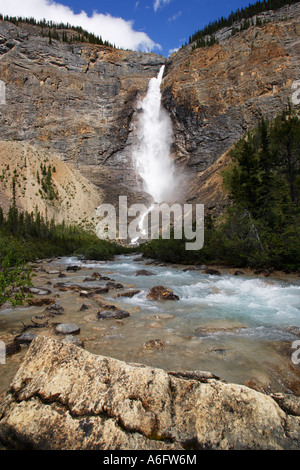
x: 64, y: 397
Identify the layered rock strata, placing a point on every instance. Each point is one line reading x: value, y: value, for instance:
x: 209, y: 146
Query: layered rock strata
x: 79, y: 101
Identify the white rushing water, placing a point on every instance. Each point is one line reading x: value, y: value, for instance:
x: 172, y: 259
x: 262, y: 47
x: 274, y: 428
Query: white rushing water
x: 255, y: 302
x: 234, y: 326
x: 152, y: 152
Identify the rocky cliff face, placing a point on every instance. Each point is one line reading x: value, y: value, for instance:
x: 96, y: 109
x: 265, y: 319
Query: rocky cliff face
x: 215, y: 94
x: 77, y: 101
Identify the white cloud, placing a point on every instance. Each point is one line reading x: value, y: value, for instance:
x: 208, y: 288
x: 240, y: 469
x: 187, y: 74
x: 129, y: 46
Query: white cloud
x: 175, y: 17
x: 160, y: 3
x: 115, y: 30
x: 171, y: 51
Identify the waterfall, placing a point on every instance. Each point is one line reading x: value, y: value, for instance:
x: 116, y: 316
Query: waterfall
x: 152, y: 152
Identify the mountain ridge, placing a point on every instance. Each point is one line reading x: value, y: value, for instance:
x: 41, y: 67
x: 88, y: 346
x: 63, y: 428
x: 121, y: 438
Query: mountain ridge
x: 79, y: 101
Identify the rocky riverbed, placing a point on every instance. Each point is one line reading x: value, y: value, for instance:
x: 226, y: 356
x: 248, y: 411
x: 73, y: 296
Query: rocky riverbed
x: 134, y: 354
x: 237, y: 324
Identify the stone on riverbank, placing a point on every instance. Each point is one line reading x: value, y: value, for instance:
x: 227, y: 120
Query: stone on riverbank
x: 40, y: 302
x: 64, y: 397
x: 55, y: 309
x: 129, y: 293
x: 115, y: 314
x: 144, y: 272
x: 12, y: 347
x: 154, y: 345
x: 39, y: 291
x: 73, y: 268
x: 67, y: 329
x: 161, y: 293
x: 212, y: 272
x: 114, y: 285
x: 25, y: 338
x: 70, y: 339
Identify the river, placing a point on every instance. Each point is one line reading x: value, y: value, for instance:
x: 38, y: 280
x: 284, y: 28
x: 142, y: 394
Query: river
x: 240, y: 328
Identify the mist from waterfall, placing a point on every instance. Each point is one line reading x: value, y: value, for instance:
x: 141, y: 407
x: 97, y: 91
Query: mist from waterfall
x: 152, y: 152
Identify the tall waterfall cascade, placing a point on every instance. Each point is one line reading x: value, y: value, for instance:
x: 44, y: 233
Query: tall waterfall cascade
x: 151, y: 155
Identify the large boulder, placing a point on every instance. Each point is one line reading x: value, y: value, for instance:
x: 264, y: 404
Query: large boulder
x: 161, y: 293
x: 64, y: 397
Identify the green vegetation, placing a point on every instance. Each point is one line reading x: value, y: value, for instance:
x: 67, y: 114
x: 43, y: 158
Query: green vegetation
x: 262, y: 225
x: 25, y: 237
x: 203, y: 41
x: 206, y: 36
x: 14, y: 280
x: 47, y: 190
x: 59, y: 31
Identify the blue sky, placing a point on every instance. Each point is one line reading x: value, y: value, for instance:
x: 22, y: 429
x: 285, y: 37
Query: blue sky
x: 160, y: 26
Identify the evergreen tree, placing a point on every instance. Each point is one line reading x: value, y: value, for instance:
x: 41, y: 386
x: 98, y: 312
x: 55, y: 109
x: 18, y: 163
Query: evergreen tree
x: 241, y: 15
x: 285, y: 133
